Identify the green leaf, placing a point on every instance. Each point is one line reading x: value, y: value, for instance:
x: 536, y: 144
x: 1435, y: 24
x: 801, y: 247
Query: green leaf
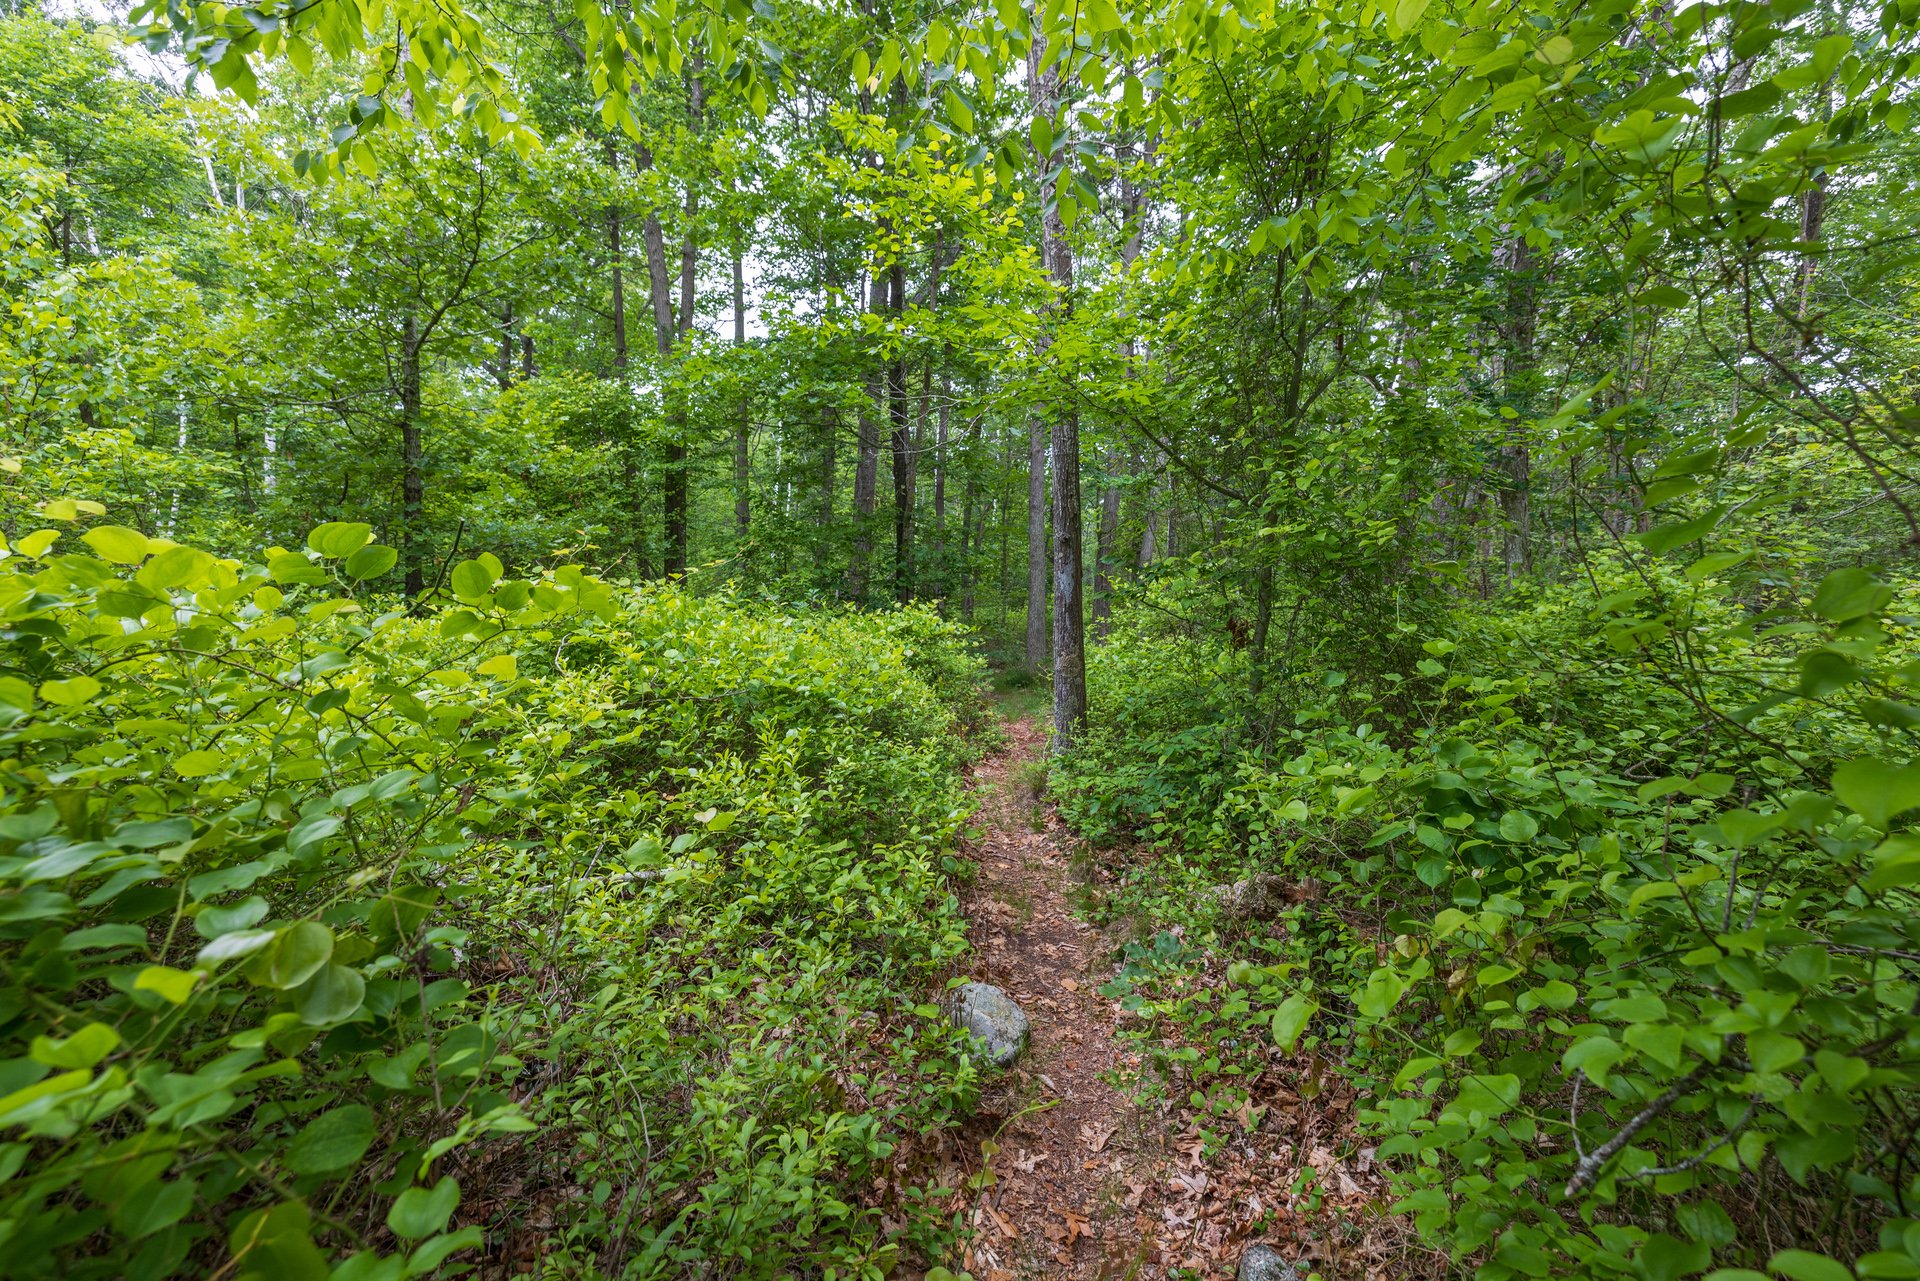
x: 70, y: 693
x: 1850, y: 593
x: 1407, y: 14
x: 333, y: 1140
x: 330, y: 996
x: 1877, y: 790
x: 471, y: 579
x: 421, y: 1212
x: 1593, y: 1056
x: 117, y: 543
x: 198, y: 763
x: 338, y: 538
x: 1291, y: 1019
x: 1519, y: 826
x: 174, y: 986
x: 1665, y: 538
x: 296, y: 955
x: 370, y: 562
x: 81, y: 1050
x: 1383, y: 991
x: 1804, y: 1265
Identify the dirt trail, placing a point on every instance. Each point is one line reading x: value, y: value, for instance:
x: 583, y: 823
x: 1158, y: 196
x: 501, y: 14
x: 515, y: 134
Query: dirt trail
x: 1078, y: 1169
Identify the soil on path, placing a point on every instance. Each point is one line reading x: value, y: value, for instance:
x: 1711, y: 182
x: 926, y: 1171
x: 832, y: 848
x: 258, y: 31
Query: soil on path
x: 1077, y: 1169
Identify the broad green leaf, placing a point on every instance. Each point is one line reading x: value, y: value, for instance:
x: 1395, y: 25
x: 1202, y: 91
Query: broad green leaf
x: 117, y: 543
x: 421, y: 1212
x: 1803, y: 1265
x: 370, y: 562
x: 1877, y: 790
x: 1291, y: 1019
x: 70, y: 693
x: 331, y: 1141
x: 297, y: 954
x: 330, y: 996
x: 339, y: 538
x: 174, y: 986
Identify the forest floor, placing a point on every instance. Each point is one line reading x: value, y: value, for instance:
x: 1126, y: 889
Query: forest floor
x: 1078, y: 1169
x: 1082, y: 1165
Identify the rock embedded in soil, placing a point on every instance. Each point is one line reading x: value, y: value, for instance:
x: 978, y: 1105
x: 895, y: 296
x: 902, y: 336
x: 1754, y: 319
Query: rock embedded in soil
x: 991, y: 1015
x: 1264, y: 1263
x: 1259, y: 897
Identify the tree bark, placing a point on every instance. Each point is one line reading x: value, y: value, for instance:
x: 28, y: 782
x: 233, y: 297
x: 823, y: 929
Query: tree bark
x: 1069, y: 622
x: 900, y: 414
x: 1036, y: 542
x: 866, y: 472
x: 942, y: 420
x: 743, y: 427
x: 412, y: 482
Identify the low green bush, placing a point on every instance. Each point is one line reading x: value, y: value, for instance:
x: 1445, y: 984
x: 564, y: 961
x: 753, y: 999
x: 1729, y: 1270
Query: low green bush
x: 343, y: 940
x: 1615, y: 986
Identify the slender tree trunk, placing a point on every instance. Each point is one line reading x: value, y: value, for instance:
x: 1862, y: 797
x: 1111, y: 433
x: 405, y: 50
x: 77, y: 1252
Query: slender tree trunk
x: 1515, y: 459
x: 629, y: 448
x: 674, y: 487
x: 1106, y: 540
x: 1069, y: 621
x: 412, y: 483
x: 742, y: 429
x: 829, y: 442
x: 866, y: 473
x: 900, y: 413
x: 504, y: 374
x: 945, y: 579
x: 1036, y: 542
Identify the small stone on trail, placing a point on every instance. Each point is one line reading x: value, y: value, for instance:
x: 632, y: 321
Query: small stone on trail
x: 1259, y: 897
x: 991, y: 1015
x: 1264, y: 1263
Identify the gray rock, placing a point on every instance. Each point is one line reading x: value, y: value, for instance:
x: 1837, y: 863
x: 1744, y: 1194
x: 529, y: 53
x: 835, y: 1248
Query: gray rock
x: 1259, y: 897
x: 1264, y: 1263
x: 991, y: 1015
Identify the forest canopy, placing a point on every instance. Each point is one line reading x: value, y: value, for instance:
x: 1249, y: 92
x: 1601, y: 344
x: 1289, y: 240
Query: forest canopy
x: 512, y: 516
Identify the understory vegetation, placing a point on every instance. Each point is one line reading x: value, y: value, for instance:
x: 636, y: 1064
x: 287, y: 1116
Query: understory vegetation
x: 509, y: 512
x: 599, y: 921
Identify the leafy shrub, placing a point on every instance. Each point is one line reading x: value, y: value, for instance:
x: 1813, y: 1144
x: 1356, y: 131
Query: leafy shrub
x: 318, y: 915
x: 1615, y: 986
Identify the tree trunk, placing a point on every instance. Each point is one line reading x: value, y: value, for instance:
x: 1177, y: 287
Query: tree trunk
x: 743, y: 428
x: 945, y: 579
x: 1069, y: 623
x: 866, y: 472
x: 504, y: 374
x: 901, y: 416
x: 412, y: 484
x: 829, y: 442
x: 1036, y: 542
x: 673, y: 495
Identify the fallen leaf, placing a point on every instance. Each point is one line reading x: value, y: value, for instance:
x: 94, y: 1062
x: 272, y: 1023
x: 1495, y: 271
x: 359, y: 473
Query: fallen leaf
x: 1006, y: 1227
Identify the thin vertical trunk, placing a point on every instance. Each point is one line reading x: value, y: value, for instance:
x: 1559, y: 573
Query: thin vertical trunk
x: 900, y: 414
x: 617, y: 372
x: 1515, y: 459
x: 1036, y: 542
x: 674, y: 502
x: 504, y: 374
x: 742, y: 429
x: 866, y: 472
x: 412, y: 483
x: 940, y: 474
x: 1069, y: 621
x: 829, y: 433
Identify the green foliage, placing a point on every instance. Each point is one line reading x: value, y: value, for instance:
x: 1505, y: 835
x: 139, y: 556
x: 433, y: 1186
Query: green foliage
x: 317, y: 910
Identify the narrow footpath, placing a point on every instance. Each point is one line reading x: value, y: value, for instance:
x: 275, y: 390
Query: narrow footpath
x: 1078, y: 1171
